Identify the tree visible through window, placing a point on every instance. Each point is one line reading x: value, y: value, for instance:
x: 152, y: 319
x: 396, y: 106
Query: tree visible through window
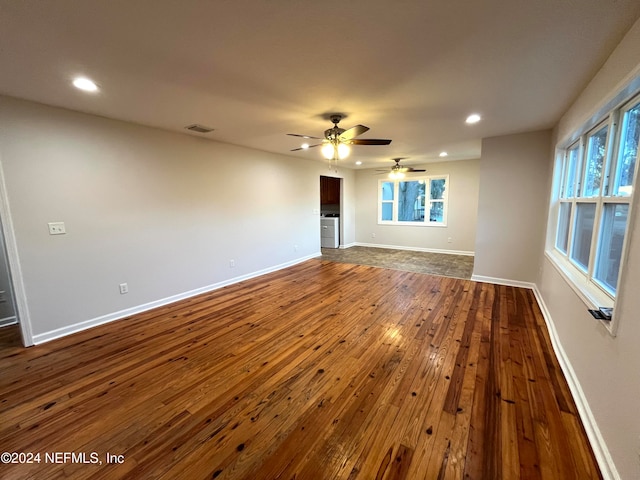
x: 628, y: 152
x: 411, y: 201
x: 595, y: 162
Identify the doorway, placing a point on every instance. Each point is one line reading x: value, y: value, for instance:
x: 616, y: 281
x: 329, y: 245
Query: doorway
x: 14, y: 320
x: 9, y: 328
x: 330, y: 206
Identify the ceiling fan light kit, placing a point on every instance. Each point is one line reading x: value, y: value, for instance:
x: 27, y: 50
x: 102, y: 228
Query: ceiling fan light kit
x: 335, y: 151
x: 337, y: 141
x: 398, y: 171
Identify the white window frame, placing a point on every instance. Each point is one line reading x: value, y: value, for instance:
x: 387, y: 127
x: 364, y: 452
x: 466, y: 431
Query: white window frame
x: 593, y: 292
x: 395, y: 202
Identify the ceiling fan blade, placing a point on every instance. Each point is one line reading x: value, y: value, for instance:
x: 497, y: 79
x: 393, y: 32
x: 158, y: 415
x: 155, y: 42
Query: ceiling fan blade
x: 303, y: 136
x: 369, y: 141
x: 414, y: 170
x: 310, y: 146
x: 353, y: 132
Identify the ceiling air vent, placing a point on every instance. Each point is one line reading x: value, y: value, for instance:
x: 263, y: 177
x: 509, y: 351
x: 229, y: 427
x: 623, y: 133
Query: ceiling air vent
x: 199, y: 128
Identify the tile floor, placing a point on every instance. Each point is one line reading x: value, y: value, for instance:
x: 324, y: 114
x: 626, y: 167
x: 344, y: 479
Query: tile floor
x: 458, y: 266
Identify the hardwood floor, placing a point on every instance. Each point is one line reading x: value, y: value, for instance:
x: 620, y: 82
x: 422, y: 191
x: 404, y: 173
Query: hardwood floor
x: 323, y: 370
x: 9, y: 337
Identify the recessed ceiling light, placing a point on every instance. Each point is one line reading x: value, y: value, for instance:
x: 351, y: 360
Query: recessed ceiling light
x: 358, y: 162
x: 85, y: 84
x: 473, y: 118
x: 444, y: 154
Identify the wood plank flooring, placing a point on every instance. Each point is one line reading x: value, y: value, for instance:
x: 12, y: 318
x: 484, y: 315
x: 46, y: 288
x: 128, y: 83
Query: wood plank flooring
x: 319, y: 371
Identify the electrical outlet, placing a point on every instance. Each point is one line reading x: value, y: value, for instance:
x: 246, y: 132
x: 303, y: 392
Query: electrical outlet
x: 124, y: 288
x: 449, y: 240
x: 295, y: 248
x: 232, y: 263
x: 57, y: 228
x: 373, y: 235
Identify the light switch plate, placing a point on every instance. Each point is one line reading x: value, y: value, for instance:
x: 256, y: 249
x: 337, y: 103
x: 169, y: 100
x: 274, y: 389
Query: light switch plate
x: 57, y: 228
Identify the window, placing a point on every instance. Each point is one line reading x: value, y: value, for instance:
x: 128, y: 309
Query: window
x: 595, y: 161
x: 417, y: 201
x: 595, y: 193
x: 614, y: 225
x: 562, y: 240
x: 570, y: 179
x: 628, y: 152
x: 583, y: 231
x: 387, y: 201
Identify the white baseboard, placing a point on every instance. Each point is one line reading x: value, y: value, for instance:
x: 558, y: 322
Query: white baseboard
x: 600, y: 450
x: 414, y: 249
x: 5, y: 322
x: 94, y: 322
x: 503, y: 281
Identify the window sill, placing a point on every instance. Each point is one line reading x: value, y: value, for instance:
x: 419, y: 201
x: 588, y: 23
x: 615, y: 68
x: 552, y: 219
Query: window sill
x: 592, y: 296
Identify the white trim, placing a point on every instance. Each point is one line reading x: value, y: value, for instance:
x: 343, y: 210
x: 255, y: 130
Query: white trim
x: 5, y: 322
x: 414, y: 249
x: 503, y: 281
x: 11, y: 246
x: 94, y: 322
x: 599, y: 446
x: 592, y: 297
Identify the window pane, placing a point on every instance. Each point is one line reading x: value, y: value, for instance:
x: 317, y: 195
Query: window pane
x: 570, y: 180
x: 563, y: 226
x: 582, y: 232
x: 595, y: 161
x: 437, y: 189
x: 436, y: 212
x: 628, y: 152
x: 411, y: 201
x: 387, y: 211
x: 387, y: 190
x: 614, y: 224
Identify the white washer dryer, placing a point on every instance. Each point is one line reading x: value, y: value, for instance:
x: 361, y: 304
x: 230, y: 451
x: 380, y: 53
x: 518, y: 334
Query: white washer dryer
x: 329, y: 232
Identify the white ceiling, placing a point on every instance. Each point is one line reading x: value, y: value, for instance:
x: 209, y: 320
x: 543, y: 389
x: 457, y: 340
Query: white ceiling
x: 255, y: 70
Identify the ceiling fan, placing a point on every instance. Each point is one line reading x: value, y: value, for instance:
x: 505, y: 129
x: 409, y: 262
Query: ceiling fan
x: 398, y: 171
x: 336, y: 141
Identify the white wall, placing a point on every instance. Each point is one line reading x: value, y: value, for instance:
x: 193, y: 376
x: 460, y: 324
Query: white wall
x: 463, y: 210
x: 607, y: 369
x: 512, y: 206
x: 161, y: 211
x: 347, y: 205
